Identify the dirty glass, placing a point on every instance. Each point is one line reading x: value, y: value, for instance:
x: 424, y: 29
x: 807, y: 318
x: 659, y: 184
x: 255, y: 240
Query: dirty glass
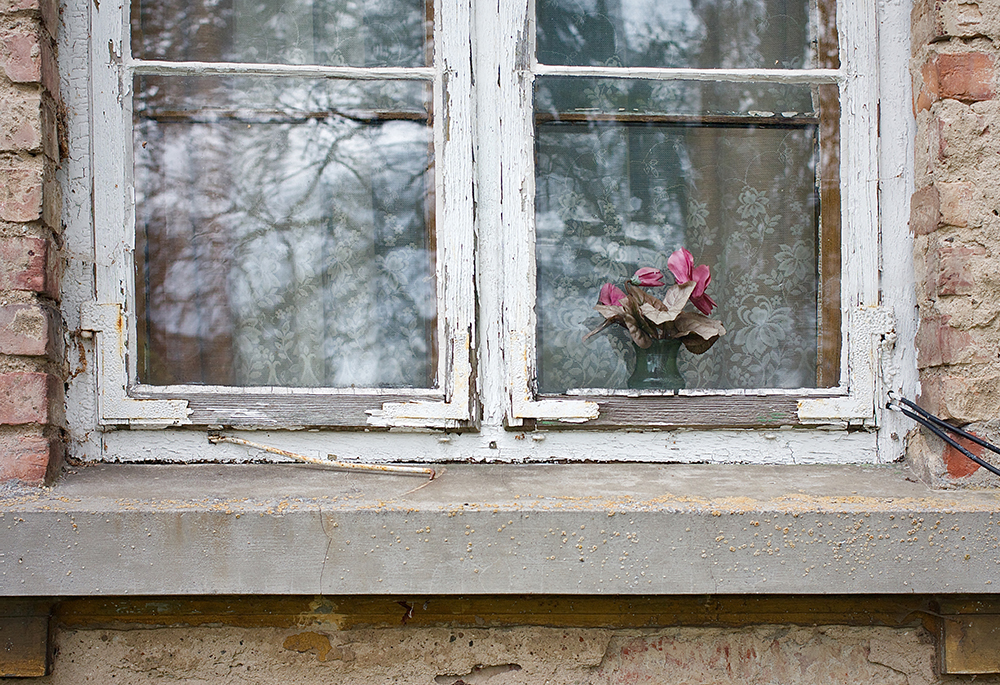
x: 360, y: 33
x: 282, y: 232
x: 742, y: 174
x: 710, y: 34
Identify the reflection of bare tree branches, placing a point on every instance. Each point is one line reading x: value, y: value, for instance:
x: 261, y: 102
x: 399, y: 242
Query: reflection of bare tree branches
x: 322, y: 219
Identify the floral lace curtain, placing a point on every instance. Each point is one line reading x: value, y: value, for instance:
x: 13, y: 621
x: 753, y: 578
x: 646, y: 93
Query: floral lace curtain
x: 628, y: 171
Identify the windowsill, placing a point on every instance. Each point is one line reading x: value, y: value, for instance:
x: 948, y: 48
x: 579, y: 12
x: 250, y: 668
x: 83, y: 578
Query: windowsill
x: 554, y: 529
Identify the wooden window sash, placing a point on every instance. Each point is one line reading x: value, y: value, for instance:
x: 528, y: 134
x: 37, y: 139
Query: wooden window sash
x: 851, y: 314
x: 111, y: 316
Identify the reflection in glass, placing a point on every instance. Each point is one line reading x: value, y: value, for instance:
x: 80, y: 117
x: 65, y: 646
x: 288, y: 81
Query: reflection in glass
x: 709, y: 34
x: 576, y: 98
x: 360, y: 33
x: 282, y: 232
x: 615, y: 192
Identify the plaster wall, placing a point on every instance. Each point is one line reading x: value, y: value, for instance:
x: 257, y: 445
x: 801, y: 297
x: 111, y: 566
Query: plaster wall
x: 499, y: 656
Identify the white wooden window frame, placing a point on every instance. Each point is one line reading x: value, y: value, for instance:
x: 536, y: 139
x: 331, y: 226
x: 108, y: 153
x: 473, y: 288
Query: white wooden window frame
x: 865, y: 322
x: 111, y: 315
x: 486, y: 269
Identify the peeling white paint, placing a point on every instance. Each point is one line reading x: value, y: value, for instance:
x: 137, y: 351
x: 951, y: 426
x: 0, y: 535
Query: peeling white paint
x: 485, y: 209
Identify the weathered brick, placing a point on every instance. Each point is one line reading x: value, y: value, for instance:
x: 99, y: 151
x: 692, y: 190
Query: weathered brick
x: 939, y: 343
x: 33, y: 459
x: 962, y: 19
x: 20, y: 121
x: 21, y: 189
x: 963, y: 398
x: 29, y: 330
x: 51, y: 195
x: 47, y: 9
x: 25, y: 264
x: 954, y: 268
x: 30, y: 397
x: 926, y: 25
x: 960, y: 133
x: 925, y: 210
x: 956, y: 201
x: 27, y: 55
x: 967, y: 77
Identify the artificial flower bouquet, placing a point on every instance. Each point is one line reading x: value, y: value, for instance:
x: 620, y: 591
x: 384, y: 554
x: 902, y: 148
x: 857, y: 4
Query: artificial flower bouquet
x: 648, y: 318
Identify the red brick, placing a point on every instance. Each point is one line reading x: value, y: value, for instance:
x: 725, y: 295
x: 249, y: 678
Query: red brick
x: 27, y: 55
x: 30, y: 397
x: 925, y: 210
x: 929, y: 91
x: 21, y: 53
x: 29, y: 330
x: 959, y: 465
x: 954, y: 272
x: 25, y: 265
x: 33, y: 459
x: 966, y: 77
x: 21, y: 191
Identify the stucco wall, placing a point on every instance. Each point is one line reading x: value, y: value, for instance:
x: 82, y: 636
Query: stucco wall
x: 785, y: 654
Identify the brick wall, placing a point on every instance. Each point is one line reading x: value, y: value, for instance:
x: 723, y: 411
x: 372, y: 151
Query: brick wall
x: 31, y: 354
x: 955, y: 219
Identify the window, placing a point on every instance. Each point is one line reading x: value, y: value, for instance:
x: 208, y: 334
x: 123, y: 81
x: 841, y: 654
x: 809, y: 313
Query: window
x: 398, y: 215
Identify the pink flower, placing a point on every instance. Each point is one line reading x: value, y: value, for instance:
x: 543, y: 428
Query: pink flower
x: 648, y: 277
x: 611, y: 295
x: 680, y: 264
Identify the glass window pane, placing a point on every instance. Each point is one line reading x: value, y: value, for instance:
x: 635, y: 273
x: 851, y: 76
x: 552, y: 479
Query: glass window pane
x: 709, y: 34
x: 361, y: 33
x: 567, y: 97
x: 615, y: 192
x: 284, y: 235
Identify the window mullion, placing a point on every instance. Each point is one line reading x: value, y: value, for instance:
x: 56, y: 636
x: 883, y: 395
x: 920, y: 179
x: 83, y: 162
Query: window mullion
x: 787, y: 76
x: 455, y: 270
x: 192, y: 68
x: 866, y: 325
x: 515, y: 33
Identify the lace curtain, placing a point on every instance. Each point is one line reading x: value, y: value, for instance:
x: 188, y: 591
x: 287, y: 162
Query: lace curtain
x: 629, y: 171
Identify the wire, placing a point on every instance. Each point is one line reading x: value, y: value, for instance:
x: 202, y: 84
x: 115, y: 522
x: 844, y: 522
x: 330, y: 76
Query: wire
x: 938, y: 426
x: 384, y: 468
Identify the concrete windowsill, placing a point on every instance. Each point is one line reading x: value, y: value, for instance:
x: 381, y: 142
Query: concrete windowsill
x: 554, y: 529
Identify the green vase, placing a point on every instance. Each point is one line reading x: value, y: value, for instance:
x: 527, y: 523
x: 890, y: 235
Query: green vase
x: 656, y: 367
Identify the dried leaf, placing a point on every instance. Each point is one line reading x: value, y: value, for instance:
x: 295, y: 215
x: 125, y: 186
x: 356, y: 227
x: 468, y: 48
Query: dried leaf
x: 640, y: 337
x: 610, y: 312
x: 690, y: 322
x: 676, y: 297
x: 697, y: 331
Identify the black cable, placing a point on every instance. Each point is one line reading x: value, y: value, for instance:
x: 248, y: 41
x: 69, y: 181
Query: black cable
x: 941, y: 423
x: 938, y: 426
